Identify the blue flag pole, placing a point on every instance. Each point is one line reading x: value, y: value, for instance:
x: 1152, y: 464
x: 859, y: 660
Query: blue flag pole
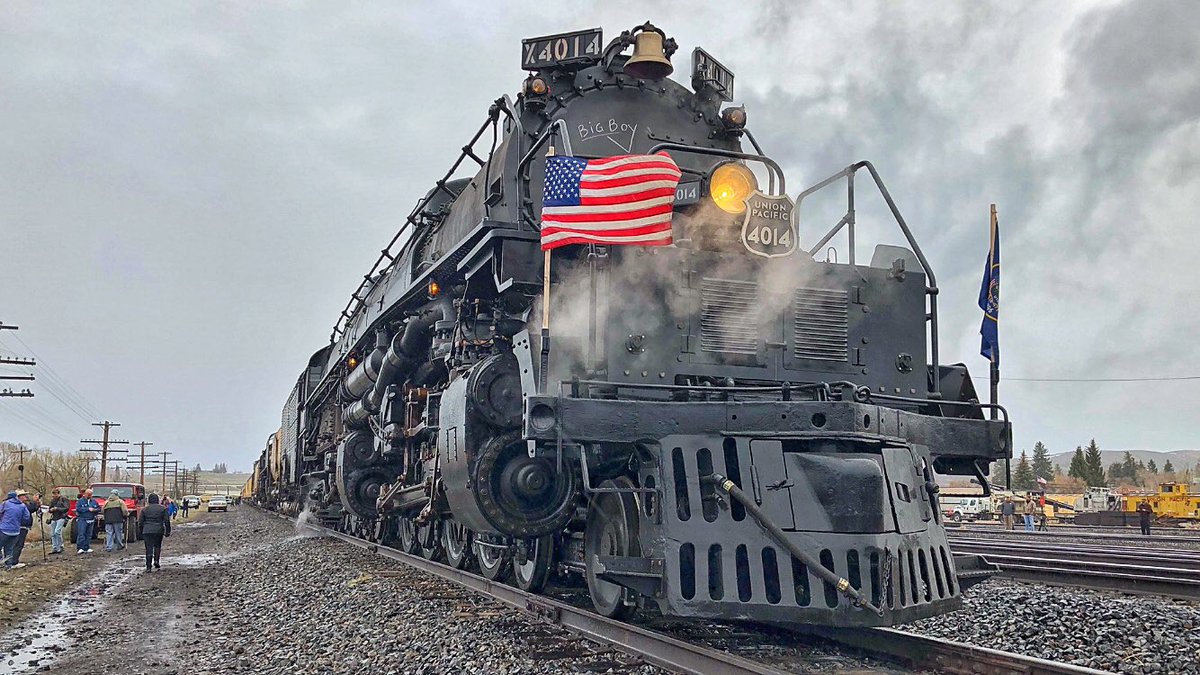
x: 994, y: 269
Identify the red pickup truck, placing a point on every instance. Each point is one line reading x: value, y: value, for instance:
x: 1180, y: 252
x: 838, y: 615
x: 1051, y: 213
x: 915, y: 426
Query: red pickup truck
x: 133, y: 494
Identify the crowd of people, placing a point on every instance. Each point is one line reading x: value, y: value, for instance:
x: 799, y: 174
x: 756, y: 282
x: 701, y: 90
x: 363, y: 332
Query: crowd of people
x: 21, y: 510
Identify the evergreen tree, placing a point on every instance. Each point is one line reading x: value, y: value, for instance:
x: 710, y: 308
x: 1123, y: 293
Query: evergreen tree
x: 1042, y: 466
x: 1116, y: 471
x: 1023, y: 478
x: 1129, y: 467
x: 1167, y: 468
x: 1152, y: 467
x: 997, y: 476
x: 1078, y: 468
x: 1095, y: 465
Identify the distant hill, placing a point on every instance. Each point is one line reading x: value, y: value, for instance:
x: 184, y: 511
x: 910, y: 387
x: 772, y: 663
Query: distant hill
x: 1180, y: 459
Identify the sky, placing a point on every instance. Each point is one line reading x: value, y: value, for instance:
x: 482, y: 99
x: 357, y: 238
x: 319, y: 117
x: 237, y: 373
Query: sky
x: 190, y: 192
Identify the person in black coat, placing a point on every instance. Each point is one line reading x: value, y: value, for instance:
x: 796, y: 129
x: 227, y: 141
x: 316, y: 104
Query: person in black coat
x: 154, y: 522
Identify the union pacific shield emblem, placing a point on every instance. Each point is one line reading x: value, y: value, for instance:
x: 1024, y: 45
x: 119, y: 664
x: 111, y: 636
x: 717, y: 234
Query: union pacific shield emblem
x: 769, y: 228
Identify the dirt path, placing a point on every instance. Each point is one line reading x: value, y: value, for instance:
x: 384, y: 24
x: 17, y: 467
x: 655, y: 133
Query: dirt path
x: 26, y: 589
x: 131, y: 617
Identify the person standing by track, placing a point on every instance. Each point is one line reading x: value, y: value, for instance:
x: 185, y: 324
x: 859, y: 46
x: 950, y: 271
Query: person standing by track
x: 115, y: 513
x: 1008, y: 512
x: 33, y: 505
x: 1145, y: 516
x: 154, y: 522
x: 59, y: 506
x: 13, y: 516
x: 86, y: 510
x: 1029, y: 511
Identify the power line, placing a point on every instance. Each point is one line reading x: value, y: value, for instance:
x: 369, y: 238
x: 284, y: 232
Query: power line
x: 84, y: 404
x: 1095, y: 379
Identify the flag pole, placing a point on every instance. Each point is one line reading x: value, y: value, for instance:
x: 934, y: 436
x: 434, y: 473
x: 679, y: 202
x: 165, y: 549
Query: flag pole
x: 994, y: 393
x: 543, y: 374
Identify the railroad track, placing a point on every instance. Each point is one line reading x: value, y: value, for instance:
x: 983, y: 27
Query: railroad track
x: 908, y: 649
x: 1128, y: 569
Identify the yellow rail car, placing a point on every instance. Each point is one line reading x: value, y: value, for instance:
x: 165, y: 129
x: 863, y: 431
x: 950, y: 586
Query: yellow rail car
x: 1173, y: 500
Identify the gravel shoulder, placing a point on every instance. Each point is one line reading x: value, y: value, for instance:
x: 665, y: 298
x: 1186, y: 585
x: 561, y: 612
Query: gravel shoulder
x: 242, y: 592
x: 1097, y: 629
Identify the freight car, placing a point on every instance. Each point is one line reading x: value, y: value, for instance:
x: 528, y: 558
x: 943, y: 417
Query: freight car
x: 723, y: 426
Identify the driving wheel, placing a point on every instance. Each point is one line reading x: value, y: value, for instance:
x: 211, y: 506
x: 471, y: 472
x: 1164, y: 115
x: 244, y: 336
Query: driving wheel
x: 456, y: 540
x: 429, y: 538
x: 408, y: 536
x: 612, y: 530
x: 532, y: 576
x: 494, y: 563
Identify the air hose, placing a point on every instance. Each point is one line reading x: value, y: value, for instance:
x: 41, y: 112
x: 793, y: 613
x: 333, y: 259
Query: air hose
x: 841, y: 584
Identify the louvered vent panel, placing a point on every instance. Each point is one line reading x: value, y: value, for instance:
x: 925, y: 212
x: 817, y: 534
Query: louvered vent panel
x: 819, y: 331
x: 728, y: 319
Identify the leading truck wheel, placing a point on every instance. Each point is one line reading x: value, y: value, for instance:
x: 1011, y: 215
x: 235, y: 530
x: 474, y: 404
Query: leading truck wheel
x: 612, y: 530
x: 532, y: 576
x: 131, y: 529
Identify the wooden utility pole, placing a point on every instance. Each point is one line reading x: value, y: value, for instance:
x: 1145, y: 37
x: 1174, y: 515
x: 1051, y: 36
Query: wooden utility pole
x: 21, y: 452
x: 104, y: 442
x: 142, y: 468
x: 162, y: 466
x: 16, y: 361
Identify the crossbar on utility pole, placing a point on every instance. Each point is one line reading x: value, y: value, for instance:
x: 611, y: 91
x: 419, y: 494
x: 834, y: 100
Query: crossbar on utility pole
x: 104, y: 443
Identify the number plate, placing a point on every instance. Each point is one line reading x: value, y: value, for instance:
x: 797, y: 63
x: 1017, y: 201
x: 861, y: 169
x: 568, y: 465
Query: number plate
x: 582, y: 46
x: 708, y: 72
x: 769, y: 229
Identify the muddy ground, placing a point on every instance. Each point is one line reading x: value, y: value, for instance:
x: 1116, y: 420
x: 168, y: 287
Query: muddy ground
x: 23, y: 590
x: 42, y: 604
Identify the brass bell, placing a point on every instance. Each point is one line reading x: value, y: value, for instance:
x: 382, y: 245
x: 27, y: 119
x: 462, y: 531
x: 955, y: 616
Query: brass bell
x: 648, y: 62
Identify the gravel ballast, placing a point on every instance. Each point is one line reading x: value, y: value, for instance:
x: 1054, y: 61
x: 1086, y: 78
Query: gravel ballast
x: 1096, y: 629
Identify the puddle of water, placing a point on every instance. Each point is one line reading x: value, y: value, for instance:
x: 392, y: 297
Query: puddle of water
x: 40, y: 638
x: 196, y: 525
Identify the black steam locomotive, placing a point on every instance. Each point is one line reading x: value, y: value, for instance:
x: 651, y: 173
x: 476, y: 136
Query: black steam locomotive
x: 722, y: 427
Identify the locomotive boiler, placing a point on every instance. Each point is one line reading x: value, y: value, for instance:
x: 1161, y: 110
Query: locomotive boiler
x: 719, y: 427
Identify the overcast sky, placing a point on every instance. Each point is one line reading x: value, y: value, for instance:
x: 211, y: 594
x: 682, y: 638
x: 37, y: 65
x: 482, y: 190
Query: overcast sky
x: 189, y: 192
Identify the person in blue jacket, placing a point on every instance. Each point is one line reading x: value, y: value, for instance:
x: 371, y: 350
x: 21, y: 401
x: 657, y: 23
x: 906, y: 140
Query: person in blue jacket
x: 86, y: 509
x: 13, y: 516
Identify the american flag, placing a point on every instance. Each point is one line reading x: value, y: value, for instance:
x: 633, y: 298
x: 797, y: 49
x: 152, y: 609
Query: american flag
x: 625, y: 199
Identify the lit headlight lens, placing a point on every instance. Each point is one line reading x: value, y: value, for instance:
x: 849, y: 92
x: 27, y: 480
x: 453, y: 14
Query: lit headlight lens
x: 729, y: 186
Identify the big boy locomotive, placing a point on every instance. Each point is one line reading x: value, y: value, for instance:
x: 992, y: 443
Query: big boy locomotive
x: 719, y: 425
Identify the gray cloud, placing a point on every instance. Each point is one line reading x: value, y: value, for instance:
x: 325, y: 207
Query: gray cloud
x: 187, y: 196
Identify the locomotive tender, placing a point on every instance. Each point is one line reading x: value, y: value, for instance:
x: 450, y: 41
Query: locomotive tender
x: 721, y: 427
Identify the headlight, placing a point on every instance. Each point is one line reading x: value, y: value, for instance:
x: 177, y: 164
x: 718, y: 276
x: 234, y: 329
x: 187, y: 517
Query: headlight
x: 729, y: 186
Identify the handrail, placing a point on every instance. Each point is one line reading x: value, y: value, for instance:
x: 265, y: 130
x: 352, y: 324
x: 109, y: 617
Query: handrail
x: 552, y: 131
x: 848, y: 221
x: 359, y: 296
x: 772, y: 166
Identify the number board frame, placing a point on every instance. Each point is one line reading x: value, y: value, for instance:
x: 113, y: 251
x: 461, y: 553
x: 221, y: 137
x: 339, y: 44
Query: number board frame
x: 711, y: 73
x: 562, y: 49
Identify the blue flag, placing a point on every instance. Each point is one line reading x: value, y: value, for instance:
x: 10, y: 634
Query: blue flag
x: 989, y: 299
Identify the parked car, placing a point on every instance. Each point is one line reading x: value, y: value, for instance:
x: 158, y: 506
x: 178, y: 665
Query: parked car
x: 134, y: 495
x: 218, y: 503
x: 192, y: 501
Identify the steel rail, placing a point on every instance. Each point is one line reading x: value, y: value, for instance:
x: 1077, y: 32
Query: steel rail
x: 1171, y: 573
x: 1065, y: 532
x: 1094, y: 551
x: 946, y: 656
x: 653, y: 648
